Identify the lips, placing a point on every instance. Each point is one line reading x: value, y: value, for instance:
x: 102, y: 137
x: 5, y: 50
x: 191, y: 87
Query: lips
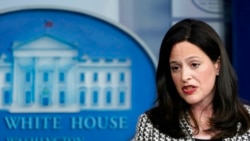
x: 189, y: 89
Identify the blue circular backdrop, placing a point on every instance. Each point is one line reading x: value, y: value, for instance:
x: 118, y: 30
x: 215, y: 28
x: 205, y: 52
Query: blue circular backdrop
x: 98, y: 39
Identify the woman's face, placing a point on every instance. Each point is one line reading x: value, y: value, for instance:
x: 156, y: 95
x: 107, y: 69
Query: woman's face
x: 193, y: 73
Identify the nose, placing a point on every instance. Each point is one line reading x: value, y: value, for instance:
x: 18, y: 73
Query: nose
x: 186, y: 74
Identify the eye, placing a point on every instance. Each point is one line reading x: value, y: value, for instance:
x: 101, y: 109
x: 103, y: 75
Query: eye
x: 175, y: 68
x: 195, y: 65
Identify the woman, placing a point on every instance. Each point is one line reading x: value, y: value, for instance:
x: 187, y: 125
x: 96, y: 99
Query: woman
x: 197, y: 90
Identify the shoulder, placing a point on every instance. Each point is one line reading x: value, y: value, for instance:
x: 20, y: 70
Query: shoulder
x: 247, y: 108
x: 146, y: 118
x: 150, y: 116
x: 143, y: 119
x: 143, y: 128
x: 152, y: 119
x: 146, y: 131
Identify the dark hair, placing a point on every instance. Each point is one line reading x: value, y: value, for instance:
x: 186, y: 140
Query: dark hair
x: 227, y: 107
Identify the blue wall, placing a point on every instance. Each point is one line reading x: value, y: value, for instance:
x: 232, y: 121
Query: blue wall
x: 241, y: 46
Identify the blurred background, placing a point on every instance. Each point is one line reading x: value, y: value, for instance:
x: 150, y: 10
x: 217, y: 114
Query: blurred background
x: 150, y: 19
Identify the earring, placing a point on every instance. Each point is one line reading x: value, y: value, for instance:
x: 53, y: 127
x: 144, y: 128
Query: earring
x: 218, y: 73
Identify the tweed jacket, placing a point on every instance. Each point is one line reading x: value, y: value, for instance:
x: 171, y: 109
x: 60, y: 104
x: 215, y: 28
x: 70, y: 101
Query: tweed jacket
x: 145, y: 131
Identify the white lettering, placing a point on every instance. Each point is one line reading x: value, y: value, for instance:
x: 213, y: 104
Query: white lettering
x: 31, y: 123
x: 99, y: 122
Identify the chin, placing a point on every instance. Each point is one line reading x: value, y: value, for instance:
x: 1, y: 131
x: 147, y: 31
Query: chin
x: 192, y: 101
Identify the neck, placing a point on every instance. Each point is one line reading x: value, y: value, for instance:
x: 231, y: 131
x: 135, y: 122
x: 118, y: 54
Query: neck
x: 201, y: 115
x: 200, y: 110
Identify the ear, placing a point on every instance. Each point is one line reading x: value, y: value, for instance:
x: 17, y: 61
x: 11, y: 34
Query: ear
x: 217, y: 66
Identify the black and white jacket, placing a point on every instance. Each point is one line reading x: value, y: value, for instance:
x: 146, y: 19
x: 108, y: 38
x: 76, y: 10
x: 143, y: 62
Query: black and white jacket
x: 146, y: 132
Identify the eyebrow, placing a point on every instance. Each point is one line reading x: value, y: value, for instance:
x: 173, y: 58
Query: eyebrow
x: 189, y: 58
x: 173, y: 62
